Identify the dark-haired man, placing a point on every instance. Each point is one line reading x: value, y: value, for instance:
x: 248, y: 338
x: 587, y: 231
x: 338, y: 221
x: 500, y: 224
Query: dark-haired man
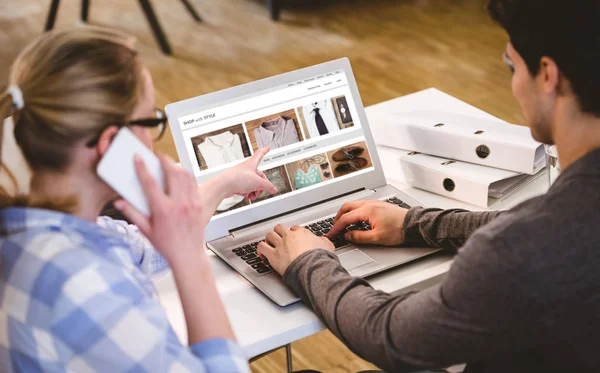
x: 523, y: 294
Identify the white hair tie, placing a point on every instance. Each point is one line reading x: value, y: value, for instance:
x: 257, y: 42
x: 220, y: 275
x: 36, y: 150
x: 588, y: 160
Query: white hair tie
x: 17, y: 96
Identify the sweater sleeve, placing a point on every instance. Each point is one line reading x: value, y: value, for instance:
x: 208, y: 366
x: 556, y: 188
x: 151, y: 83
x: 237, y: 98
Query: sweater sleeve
x: 463, y: 319
x: 448, y: 229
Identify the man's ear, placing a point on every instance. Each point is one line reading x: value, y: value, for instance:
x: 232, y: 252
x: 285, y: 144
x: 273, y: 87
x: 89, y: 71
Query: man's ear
x: 106, y: 138
x: 549, y: 75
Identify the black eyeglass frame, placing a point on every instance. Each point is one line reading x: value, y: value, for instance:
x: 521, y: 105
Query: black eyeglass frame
x: 160, y: 120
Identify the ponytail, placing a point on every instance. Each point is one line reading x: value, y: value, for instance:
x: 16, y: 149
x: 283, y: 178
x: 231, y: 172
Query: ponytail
x: 68, y: 85
x: 6, y: 110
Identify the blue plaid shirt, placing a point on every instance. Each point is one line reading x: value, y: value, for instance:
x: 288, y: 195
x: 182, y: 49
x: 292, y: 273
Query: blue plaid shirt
x: 74, y: 297
x: 144, y: 254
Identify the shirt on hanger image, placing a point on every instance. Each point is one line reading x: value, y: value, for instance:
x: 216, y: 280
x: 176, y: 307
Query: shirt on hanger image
x: 276, y: 133
x: 221, y: 149
x: 320, y: 118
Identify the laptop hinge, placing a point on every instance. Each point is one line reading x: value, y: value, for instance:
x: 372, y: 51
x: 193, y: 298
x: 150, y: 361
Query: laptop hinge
x: 242, y: 230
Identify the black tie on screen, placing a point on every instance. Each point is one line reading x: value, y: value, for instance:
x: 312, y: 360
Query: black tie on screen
x: 320, y: 122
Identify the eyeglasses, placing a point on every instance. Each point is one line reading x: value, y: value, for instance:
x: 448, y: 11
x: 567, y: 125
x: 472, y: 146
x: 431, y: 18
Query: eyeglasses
x: 508, y: 62
x: 157, y: 126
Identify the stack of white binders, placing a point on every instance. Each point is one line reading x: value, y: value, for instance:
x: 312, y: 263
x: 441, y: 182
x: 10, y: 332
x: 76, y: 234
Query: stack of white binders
x: 473, y: 160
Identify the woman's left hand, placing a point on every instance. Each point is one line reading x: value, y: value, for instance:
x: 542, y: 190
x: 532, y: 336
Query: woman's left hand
x: 246, y: 180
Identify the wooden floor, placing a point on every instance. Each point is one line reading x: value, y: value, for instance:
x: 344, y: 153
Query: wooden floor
x: 395, y: 46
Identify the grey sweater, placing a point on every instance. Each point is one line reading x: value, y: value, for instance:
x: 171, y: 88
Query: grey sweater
x: 523, y: 294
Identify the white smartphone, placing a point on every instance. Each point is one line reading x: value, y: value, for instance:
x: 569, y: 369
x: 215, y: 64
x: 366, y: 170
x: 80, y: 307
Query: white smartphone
x: 117, y: 169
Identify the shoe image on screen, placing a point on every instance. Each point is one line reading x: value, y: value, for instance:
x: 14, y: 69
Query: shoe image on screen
x: 349, y: 159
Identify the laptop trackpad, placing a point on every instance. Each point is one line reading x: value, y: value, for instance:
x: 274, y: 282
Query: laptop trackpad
x: 354, y: 259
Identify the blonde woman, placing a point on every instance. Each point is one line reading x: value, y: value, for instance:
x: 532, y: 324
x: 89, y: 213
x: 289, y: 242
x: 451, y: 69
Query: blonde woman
x: 73, y: 296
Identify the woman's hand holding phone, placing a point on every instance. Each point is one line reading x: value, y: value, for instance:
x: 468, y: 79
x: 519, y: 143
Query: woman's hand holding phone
x: 176, y: 223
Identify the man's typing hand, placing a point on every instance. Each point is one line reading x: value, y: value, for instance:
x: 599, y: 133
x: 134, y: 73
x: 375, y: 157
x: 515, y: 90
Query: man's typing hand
x: 282, y: 246
x: 386, y: 220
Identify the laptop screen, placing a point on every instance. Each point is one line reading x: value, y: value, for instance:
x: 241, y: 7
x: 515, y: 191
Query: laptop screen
x: 312, y: 127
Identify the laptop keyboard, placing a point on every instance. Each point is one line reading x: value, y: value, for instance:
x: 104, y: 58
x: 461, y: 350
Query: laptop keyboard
x: 248, y: 254
x: 320, y: 228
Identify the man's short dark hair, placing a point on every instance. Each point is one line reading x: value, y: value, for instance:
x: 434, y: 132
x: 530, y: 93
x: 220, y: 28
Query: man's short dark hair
x: 568, y: 32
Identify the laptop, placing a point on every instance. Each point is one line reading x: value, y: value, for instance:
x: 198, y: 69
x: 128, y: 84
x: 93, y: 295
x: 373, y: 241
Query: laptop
x: 322, y: 155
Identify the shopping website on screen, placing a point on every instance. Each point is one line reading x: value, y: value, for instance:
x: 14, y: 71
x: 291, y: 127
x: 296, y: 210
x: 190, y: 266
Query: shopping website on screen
x: 311, y: 126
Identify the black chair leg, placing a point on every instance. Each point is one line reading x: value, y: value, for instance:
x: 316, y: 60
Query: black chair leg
x: 274, y: 8
x: 192, y: 10
x: 52, y: 15
x: 85, y: 10
x: 156, y: 28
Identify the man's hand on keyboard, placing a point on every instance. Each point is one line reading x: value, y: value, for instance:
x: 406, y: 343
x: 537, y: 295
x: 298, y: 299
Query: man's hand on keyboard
x: 386, y: 220
x: 282, y: 246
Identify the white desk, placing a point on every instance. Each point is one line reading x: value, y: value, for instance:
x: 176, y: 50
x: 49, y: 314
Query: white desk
x: 261, y: 326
